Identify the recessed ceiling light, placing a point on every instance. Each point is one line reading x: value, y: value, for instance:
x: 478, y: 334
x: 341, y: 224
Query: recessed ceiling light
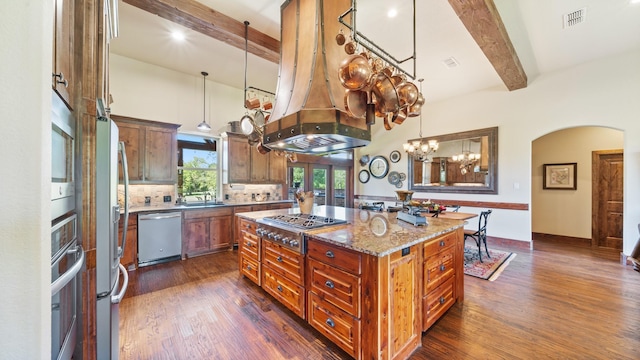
x: 177, y: 35
x: 634, y: 2
x: 392, y: 13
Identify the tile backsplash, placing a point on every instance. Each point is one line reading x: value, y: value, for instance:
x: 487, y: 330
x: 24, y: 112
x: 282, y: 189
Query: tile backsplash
x: 242, y: 193
x: 137, y: 193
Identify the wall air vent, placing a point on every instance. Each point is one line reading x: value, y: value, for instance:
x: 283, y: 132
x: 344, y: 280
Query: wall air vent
x: 450, y: 62
x: 574, y: 18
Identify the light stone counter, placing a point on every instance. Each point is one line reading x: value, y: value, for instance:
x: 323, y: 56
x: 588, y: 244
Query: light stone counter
x: 370, y: 232
x: 172, y: 206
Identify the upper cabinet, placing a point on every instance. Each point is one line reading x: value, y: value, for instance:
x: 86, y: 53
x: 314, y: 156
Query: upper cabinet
x: 62, y: 66
x: 245, y: 164
x: 152, y: 150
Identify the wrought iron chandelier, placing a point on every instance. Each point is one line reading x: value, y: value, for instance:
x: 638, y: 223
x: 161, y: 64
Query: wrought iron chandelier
x: 417, y: 149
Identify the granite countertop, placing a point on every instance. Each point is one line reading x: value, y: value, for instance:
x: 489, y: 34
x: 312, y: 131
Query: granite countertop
x: 172, y: 206
x: 370, y: 232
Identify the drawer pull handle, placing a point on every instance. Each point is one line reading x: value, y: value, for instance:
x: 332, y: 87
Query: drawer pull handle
x: 442, y: 243
x: 330, y: 323
x: 330, y: 254
x: 248, y: 244
x: 442, y: 300
x: 279, y: 288
x: 279, y: 258
x: 442, y: 267
x: 249, y: 267
x: 329, y: 284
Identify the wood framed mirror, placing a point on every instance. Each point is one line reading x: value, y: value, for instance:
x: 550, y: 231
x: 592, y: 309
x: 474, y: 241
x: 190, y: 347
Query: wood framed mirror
x: 445, y: 172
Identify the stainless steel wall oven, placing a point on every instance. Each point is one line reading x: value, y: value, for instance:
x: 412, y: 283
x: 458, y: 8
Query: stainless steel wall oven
x: 63, y: 131
x: 67, y: 261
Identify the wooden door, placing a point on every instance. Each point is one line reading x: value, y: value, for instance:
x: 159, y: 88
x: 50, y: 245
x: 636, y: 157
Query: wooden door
x: 133, y: 136
x: 277, y: 168
x: 63, y: 49
x: 607, y: 199
x: 259, y: 166
x: 239, y: 159
x: 196, y: 236
x: 220, y: 232
x: 161, y: 158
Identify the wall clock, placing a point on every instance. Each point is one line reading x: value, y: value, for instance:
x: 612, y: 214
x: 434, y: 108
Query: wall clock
x: 395, y: 156
x: 379, y: 167
x: 363, y: 176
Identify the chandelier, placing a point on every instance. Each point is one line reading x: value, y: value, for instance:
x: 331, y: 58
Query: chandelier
x: 466, y: 159
x: 417, y: 149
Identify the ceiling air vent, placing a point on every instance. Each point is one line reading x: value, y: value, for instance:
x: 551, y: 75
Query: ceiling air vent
x: 574, y: 18
x: 450, y: 62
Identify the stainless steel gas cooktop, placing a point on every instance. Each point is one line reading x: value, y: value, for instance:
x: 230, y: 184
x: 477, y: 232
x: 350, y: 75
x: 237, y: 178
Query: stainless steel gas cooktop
x: 304, y: 221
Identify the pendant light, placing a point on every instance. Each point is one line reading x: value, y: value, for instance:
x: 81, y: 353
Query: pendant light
x: 203, y: 126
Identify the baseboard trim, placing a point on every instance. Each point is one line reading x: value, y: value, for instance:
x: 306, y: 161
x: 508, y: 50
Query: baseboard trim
x: 568, y: 240
x: 509, y: 243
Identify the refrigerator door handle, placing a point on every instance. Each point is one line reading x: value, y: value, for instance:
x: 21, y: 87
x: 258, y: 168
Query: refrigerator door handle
x: 125, y: 178
x: 70, y: 274
x: 115, y: 299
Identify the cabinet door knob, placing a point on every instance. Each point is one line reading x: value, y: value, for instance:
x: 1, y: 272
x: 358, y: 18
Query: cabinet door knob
x: 279, y: 288
x: 442, y: 300
x: 442, y: 267
x: 442, y: 242
x: 60, y: 79
x: 279, y: 258
x: 330, y: 323
x: 330, y: 254
x: 329, y: 284
x: 249, y: 267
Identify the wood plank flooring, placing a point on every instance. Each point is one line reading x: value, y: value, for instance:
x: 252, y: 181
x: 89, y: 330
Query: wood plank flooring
x: 554, y: 302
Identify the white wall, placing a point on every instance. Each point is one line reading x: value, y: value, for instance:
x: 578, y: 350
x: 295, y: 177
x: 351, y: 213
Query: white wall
x: 600, y: 93
x: 567, y: 212
x: 150, y: 92
x: 25, y: 100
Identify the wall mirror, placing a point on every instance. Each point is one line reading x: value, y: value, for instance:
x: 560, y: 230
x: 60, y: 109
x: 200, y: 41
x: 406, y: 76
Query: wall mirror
x: 465, y: 162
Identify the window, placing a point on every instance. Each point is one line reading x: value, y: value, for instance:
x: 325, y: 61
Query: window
x: 197, y: 168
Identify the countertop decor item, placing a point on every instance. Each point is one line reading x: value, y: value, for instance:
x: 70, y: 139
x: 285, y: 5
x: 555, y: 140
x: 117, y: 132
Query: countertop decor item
x: 379, y: 167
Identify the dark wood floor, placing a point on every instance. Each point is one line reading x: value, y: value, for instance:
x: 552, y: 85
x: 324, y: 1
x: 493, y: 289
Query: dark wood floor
x: 555, y: 302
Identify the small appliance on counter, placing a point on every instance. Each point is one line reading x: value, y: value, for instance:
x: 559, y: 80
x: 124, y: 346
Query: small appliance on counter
x: 410, y: 213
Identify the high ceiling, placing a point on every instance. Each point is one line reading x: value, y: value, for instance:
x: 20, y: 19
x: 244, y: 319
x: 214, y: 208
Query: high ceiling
x: 535, y: 28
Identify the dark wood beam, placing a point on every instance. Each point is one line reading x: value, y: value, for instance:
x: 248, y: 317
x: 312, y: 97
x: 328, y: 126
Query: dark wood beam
x: 482, y: 20
x: 198, y: 17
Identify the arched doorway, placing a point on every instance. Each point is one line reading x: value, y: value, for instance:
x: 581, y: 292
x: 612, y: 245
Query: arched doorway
x: 574, y: 216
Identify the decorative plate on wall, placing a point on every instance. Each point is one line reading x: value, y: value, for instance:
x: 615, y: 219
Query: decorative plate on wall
x: 393, y: 177
x: 395, y: 156
x: 364, y: 160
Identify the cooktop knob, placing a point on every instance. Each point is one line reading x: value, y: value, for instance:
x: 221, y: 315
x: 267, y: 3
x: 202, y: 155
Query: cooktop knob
x: 286, y: 240
x: 294, y: 243
x: 277, y: 237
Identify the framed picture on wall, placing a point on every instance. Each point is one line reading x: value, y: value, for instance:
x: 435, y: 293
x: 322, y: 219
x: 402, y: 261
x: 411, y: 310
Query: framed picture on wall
x: 560, y: 176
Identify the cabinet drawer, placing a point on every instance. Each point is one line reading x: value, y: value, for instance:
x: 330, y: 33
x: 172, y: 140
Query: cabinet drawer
x: 250, y: 245
x: 439, y: 268
x: 335, y: 256
x: 340, y: 327
x: 248, y: 226
x: 206, y: 213
x: 285, y: 291
x: 335, y: 286
x: 436, y: 245
x: 437, y: 302
x: 283, y: 261
x: 250, y: 268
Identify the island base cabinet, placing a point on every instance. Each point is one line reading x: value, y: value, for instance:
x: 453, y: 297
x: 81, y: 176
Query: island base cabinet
x: 250, y: 268
x: 338, y: 326
x: 438, y: 302
x: 284, y: 290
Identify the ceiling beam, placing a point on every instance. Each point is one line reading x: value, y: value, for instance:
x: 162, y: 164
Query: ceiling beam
x: 482, y: 20
x: 198, y: 17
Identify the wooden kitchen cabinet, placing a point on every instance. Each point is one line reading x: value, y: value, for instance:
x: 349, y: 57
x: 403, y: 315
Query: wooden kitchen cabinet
x: 130, y: 254
x: 207, y: 230
x: 246, y: 165
x: 249, y: 251
x: 62, y: 70
x: 439, y: 275
x: 283, y: 276
x: 151, y: 148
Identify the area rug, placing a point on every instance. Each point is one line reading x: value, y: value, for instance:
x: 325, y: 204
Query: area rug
x: 490, y: 268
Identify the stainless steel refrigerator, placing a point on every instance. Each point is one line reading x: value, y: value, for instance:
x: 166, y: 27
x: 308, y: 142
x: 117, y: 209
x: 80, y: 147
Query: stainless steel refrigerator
x: 109, y: 249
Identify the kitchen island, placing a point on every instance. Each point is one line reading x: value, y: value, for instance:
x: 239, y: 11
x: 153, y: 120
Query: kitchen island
x: 371, y: 285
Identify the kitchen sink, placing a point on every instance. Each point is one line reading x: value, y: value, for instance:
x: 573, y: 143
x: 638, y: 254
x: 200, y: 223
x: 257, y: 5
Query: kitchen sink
x: 200, y: 204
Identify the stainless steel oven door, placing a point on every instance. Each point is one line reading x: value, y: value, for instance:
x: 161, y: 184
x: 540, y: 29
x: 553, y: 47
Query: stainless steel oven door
x: 62, y: 159
x: 66, y: 265
x: 65, y: 287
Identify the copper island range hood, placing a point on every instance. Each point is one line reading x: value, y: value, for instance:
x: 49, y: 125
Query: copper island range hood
x: 309, y: 114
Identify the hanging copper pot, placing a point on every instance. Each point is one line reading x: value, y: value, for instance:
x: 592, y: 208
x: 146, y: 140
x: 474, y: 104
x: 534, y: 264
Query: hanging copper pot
x: 416, y: 108
x: 262, y: 149
x: 408, y: 94
x: 388, y: 121
x: 399, y: 117
x: 355, y: 72
x: 385, y: 92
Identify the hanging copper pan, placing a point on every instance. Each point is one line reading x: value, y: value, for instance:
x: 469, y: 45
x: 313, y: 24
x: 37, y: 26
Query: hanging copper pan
x: 355, y: 102
x: 399, y: 117
x: 416, y: 108
x: 355, y: 72
x: 408, y: 94
x: 385, y: 93
x: 262, y: 149
x: 388, y: 121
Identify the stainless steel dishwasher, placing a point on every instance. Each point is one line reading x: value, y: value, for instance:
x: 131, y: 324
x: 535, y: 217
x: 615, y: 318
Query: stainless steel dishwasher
x: 159, y: 237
